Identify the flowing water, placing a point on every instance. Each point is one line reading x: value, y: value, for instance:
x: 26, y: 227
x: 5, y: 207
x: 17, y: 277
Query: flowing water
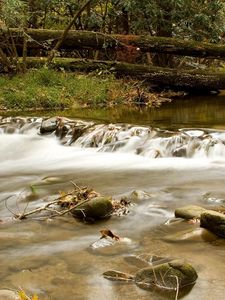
x: 54, y: 258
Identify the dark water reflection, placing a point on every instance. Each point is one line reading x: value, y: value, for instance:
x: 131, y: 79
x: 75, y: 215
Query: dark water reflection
x: 191, y: 111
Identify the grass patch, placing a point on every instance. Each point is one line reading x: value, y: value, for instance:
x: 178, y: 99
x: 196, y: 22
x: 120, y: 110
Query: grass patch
x: 49, y: 89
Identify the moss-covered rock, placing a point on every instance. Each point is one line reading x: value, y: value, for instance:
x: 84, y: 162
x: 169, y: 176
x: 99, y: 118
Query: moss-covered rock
x: 189, y: 212
x: 169, y: 276
x: 213, y: 221
x: 96, y: 208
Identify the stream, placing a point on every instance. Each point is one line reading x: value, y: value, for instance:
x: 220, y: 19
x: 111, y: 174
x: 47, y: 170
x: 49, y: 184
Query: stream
x: 176, y: 162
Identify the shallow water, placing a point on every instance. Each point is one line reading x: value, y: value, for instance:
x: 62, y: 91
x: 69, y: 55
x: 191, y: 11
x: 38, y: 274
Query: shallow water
x: 53, y: 258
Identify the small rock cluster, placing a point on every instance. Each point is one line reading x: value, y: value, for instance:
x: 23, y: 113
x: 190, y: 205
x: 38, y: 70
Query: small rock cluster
x: 212, y: 220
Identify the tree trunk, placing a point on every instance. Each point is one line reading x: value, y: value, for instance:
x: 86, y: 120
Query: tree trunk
x: 45, y: 39
x: 153, y: 76
x: 164, y: 29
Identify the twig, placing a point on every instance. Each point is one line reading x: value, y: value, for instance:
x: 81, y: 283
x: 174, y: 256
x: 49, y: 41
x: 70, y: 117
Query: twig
x: 40, y: 209
x: 76, y: 186
x: 177, y: 289
x: 65, y: 33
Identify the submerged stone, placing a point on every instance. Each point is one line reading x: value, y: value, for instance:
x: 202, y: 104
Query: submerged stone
x: 213, y: 221
x: 170, y: 276
x: 136, y: 195
x: 8, y: 295
x: 189, y: 212
x: 193, y: 235
x: 94, y: 209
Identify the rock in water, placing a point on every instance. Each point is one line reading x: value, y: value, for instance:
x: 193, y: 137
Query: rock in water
x: 8, y: 295
x: 213, y: 221
x: 169, y: 276
x: 94, y: 209
x: 49, y: 125
x: 189, y: 212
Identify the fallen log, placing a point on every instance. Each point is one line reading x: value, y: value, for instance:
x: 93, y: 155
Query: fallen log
x: 46, y: 39
x: 154, y: 76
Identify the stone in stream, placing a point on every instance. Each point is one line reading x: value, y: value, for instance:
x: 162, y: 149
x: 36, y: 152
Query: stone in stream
x: 189, y: 212
x: 191, y: 234
x: 136, y: 195
x: 180, y: 152
x: 166, y: 277
x: 8, y: 295
x: 49, y: 125
x: 169, y: 276
x: 213, y: 221
x: 94, y: 209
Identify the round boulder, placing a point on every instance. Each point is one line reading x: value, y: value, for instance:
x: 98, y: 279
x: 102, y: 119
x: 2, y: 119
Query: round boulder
x: 95, y: 209
x: 168, y: 276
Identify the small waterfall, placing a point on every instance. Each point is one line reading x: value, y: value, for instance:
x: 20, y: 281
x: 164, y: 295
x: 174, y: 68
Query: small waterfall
x: 124, y: 138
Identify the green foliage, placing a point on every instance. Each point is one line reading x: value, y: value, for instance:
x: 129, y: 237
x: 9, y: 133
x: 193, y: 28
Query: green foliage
x: 191, y: 19
x: 50, y: 89
x: 13, y: 13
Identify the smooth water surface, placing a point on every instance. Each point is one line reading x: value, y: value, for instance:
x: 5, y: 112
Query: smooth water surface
x: 54, y: 258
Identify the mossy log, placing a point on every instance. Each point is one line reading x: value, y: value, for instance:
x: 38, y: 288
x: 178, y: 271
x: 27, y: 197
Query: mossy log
x: 154, y: 76
x: 46, y: 39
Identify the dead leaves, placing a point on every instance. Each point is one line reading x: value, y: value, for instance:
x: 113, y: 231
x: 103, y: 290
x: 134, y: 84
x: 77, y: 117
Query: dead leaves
x: 67, y: 202
x: 108, y: 233
x: 76, y: 196
x: 23, y: 296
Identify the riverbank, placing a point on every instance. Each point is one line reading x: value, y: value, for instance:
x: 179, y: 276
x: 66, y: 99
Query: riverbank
x: 50, y: 89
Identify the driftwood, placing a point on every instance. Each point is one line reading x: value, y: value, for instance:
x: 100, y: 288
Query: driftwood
x: 154, y: 76
x: 47, y: 39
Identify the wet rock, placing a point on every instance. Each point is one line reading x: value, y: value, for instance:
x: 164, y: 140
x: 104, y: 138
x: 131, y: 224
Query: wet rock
x: 193, y: 235
x: 94, y: 209
x: 109, y: 247
x: 189, y: 212
x: 137, y: 195
x: 77, y: 132
x: 49, y: 125
x: 62, y: 130
x: 8, y: 295
x: 169, y: 276
x: 180, y: 152
x: 213, y: 221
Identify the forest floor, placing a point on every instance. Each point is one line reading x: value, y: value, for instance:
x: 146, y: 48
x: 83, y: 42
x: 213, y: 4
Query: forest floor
x: 48, y: 89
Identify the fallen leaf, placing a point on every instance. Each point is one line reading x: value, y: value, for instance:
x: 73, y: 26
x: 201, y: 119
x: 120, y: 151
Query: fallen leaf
x: 108, y: 233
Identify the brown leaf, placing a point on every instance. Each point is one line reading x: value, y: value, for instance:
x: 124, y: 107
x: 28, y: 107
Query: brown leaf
x: 108, y: 233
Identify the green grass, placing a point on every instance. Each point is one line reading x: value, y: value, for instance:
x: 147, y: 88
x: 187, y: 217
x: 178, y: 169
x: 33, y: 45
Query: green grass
x: 49, y: 89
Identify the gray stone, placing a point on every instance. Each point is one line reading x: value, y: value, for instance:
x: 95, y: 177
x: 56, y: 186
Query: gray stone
x: 49, y: 125
x: 213, y: 221
x: 189, y: 212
